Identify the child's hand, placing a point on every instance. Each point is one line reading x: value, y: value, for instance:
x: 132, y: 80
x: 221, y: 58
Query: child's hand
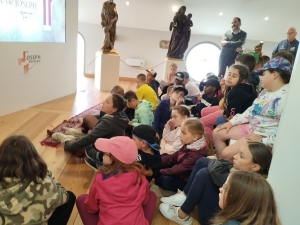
x: 253, y: 138
x: 227, y: 126
x: 169, y: 123
x: 179, y: 101
x: 130, y: 122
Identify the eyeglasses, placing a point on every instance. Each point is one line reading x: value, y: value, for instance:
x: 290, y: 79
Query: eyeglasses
x: 222, y: 189
x: 290, y: 33
x: 106, y: 153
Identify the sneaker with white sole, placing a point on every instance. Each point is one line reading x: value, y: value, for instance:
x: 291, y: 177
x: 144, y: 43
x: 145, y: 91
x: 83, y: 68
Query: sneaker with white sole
x: 74, y: 132
x: 91, y: 164
x: 160, y: 192
x: 171, y: 213
x: 177, y: 199
x: 62, y: 138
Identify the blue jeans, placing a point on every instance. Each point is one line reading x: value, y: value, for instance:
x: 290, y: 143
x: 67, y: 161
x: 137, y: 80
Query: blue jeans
x: 201, y: 192
x: 220, y: 120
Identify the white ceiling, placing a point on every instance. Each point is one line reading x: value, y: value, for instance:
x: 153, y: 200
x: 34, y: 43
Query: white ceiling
x: 157, y: 15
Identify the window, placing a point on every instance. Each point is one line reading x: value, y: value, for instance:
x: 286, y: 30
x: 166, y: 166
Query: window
x: 202, y: 59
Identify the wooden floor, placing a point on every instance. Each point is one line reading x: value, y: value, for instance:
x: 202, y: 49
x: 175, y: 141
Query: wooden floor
x: 70, y: 171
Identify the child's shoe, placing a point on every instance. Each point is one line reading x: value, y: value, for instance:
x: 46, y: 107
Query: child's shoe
x: 62, y: 138
x: 171, y: 213
x: 177, y: 199
x: 74, y: 132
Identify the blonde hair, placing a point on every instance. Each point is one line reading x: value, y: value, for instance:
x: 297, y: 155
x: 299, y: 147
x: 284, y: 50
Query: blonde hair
x: 249, y: 199
x: 169, y: 90
x: 173, y: 65
x: 141, y: 78
x: 117, y: 89
x: 195, y: 127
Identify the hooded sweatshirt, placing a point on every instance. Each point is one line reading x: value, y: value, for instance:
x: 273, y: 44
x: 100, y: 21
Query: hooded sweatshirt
x: 154, y: 84
x: 107, y: 127
x: 119, y: 199
x: 29, y: 203
x: 239, y: 99
x: 143, y: 114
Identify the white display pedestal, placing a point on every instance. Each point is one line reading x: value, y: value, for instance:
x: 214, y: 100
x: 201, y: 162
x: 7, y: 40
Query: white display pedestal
x: 106, y: 70
x: 180, y: 63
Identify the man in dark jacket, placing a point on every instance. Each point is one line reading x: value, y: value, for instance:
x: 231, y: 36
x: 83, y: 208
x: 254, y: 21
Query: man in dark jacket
x: 231, y: 43
x: 290, y: 44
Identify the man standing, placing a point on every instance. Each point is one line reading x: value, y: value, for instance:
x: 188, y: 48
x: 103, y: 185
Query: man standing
x: 231, y: 43
x: 290, y: 44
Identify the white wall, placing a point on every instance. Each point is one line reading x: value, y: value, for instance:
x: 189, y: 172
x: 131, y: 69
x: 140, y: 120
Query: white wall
x: 52, y: 78
x: 142, y: 43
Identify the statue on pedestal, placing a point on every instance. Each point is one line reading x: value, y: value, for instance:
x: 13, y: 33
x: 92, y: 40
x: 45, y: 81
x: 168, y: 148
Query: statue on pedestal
x: 181, y: 34
x: 109, y: 16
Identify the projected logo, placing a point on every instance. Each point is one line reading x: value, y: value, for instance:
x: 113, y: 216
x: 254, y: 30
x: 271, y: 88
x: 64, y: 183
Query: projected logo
x: 27, y: 59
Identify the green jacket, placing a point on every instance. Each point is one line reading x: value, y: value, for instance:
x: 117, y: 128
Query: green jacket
x: 29, y: 203
x: 143, y: 114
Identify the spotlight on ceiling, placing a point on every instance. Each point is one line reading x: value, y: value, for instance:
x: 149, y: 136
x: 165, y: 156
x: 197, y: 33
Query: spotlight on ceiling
x: 174, y: 8
x: 267, y: 18
x: 220, y: 14
x: 127, y: 3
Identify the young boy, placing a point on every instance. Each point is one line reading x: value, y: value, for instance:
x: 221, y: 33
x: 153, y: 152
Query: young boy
x: 249, y: 61
x: 143, y: 110
x: 144, y: 91
x: 154, y: 84
x: 148, y: 153
x: 209, y: 98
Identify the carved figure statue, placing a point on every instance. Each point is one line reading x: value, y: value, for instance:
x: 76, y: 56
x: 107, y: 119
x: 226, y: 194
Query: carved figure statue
x: 258, y: 48
x: 109, y: 16
x: 181, y: 26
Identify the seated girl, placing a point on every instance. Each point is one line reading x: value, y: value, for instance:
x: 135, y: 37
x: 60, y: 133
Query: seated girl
x: 177, y: 167
x: 238, y: 96
x: 120, y: 188
x: 207, y: 177
x: 260, y: 121
x: 112, y: 124
x: 242, y: 200
x: 28, y: 192
x: 163, y: 111
x: 170, y: 139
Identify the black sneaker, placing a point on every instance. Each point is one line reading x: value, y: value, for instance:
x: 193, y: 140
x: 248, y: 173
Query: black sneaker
x: 94, y: 154
x: 91, y: 163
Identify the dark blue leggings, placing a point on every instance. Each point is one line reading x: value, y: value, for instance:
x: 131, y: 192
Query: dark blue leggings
x: 171, y: 183
x: 203, y: 192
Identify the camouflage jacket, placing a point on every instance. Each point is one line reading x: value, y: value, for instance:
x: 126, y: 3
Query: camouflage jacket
x: 29, y: 203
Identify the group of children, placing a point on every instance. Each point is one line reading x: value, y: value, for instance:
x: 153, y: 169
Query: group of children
x: 122, y: 144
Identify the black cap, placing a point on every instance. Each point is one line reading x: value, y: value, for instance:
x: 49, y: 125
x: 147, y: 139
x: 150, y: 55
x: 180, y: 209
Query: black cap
x: 212, y: 82
x: 179, y: 76
x: 180, y: 88
x: 148, y: 134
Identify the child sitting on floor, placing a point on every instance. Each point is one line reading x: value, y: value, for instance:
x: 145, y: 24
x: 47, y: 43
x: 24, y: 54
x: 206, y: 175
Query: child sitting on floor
x: 120, y: 188
x: 172, y: 130
x: 148, y: 151
x: 143, y: 110
x: 163, y: 111
x: 144, y: 91
x: 177, y: 167
x: 260, y: 121
x: 28, y: 192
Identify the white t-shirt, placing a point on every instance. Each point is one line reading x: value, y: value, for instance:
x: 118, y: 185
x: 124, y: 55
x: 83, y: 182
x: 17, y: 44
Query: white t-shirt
x: 193, y: 90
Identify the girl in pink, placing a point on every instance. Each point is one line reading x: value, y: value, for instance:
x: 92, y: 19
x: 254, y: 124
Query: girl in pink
x: 120, y: 188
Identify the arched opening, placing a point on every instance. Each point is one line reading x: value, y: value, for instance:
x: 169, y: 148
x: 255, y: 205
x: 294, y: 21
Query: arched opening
x: 80, y: 62
x: 202, y: 59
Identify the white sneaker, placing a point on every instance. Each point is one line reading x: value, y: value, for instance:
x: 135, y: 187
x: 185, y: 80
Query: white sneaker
x: 74, y: 132
x: 171, y: 213
x: 160, y: 192
x: 62, y: 138
x: 177, y: 199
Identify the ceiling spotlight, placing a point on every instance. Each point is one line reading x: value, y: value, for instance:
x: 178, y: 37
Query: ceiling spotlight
x: 174, y: 8
x: 127, y: 3
x: 267, y: 18
x: 220, y: 14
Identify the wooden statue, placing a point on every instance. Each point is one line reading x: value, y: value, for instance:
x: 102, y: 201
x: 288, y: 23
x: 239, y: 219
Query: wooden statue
x: 109, y: 18
x: 181, y: 34
x: 258, y: 48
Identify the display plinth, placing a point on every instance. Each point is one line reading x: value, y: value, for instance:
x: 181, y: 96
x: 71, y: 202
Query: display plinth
x: 106, y: 70
x: 180, y: 63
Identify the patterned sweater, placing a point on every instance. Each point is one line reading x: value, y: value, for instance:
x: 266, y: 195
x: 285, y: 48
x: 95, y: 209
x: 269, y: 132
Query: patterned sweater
x: 264, y: 114
x: 29, y: 203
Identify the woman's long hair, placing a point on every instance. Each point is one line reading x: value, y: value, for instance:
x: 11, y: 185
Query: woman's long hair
x: 248, y: 198
x: 19, y: 159
x: 117, y: 168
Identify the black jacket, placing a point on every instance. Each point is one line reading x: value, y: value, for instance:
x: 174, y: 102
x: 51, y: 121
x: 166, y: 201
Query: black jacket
x: 154, y: 85
x: 254, y: 78
x: 239, y: 99
x: 107, y: 127
x: 219, y: 171
x: 152, y: 162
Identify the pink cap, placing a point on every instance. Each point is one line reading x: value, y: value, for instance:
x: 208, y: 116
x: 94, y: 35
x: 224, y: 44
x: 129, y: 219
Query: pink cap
x: 121, y: 147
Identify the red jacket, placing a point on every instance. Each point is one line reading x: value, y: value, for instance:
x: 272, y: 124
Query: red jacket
x: 118, y: 199
x: 182, y: 162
